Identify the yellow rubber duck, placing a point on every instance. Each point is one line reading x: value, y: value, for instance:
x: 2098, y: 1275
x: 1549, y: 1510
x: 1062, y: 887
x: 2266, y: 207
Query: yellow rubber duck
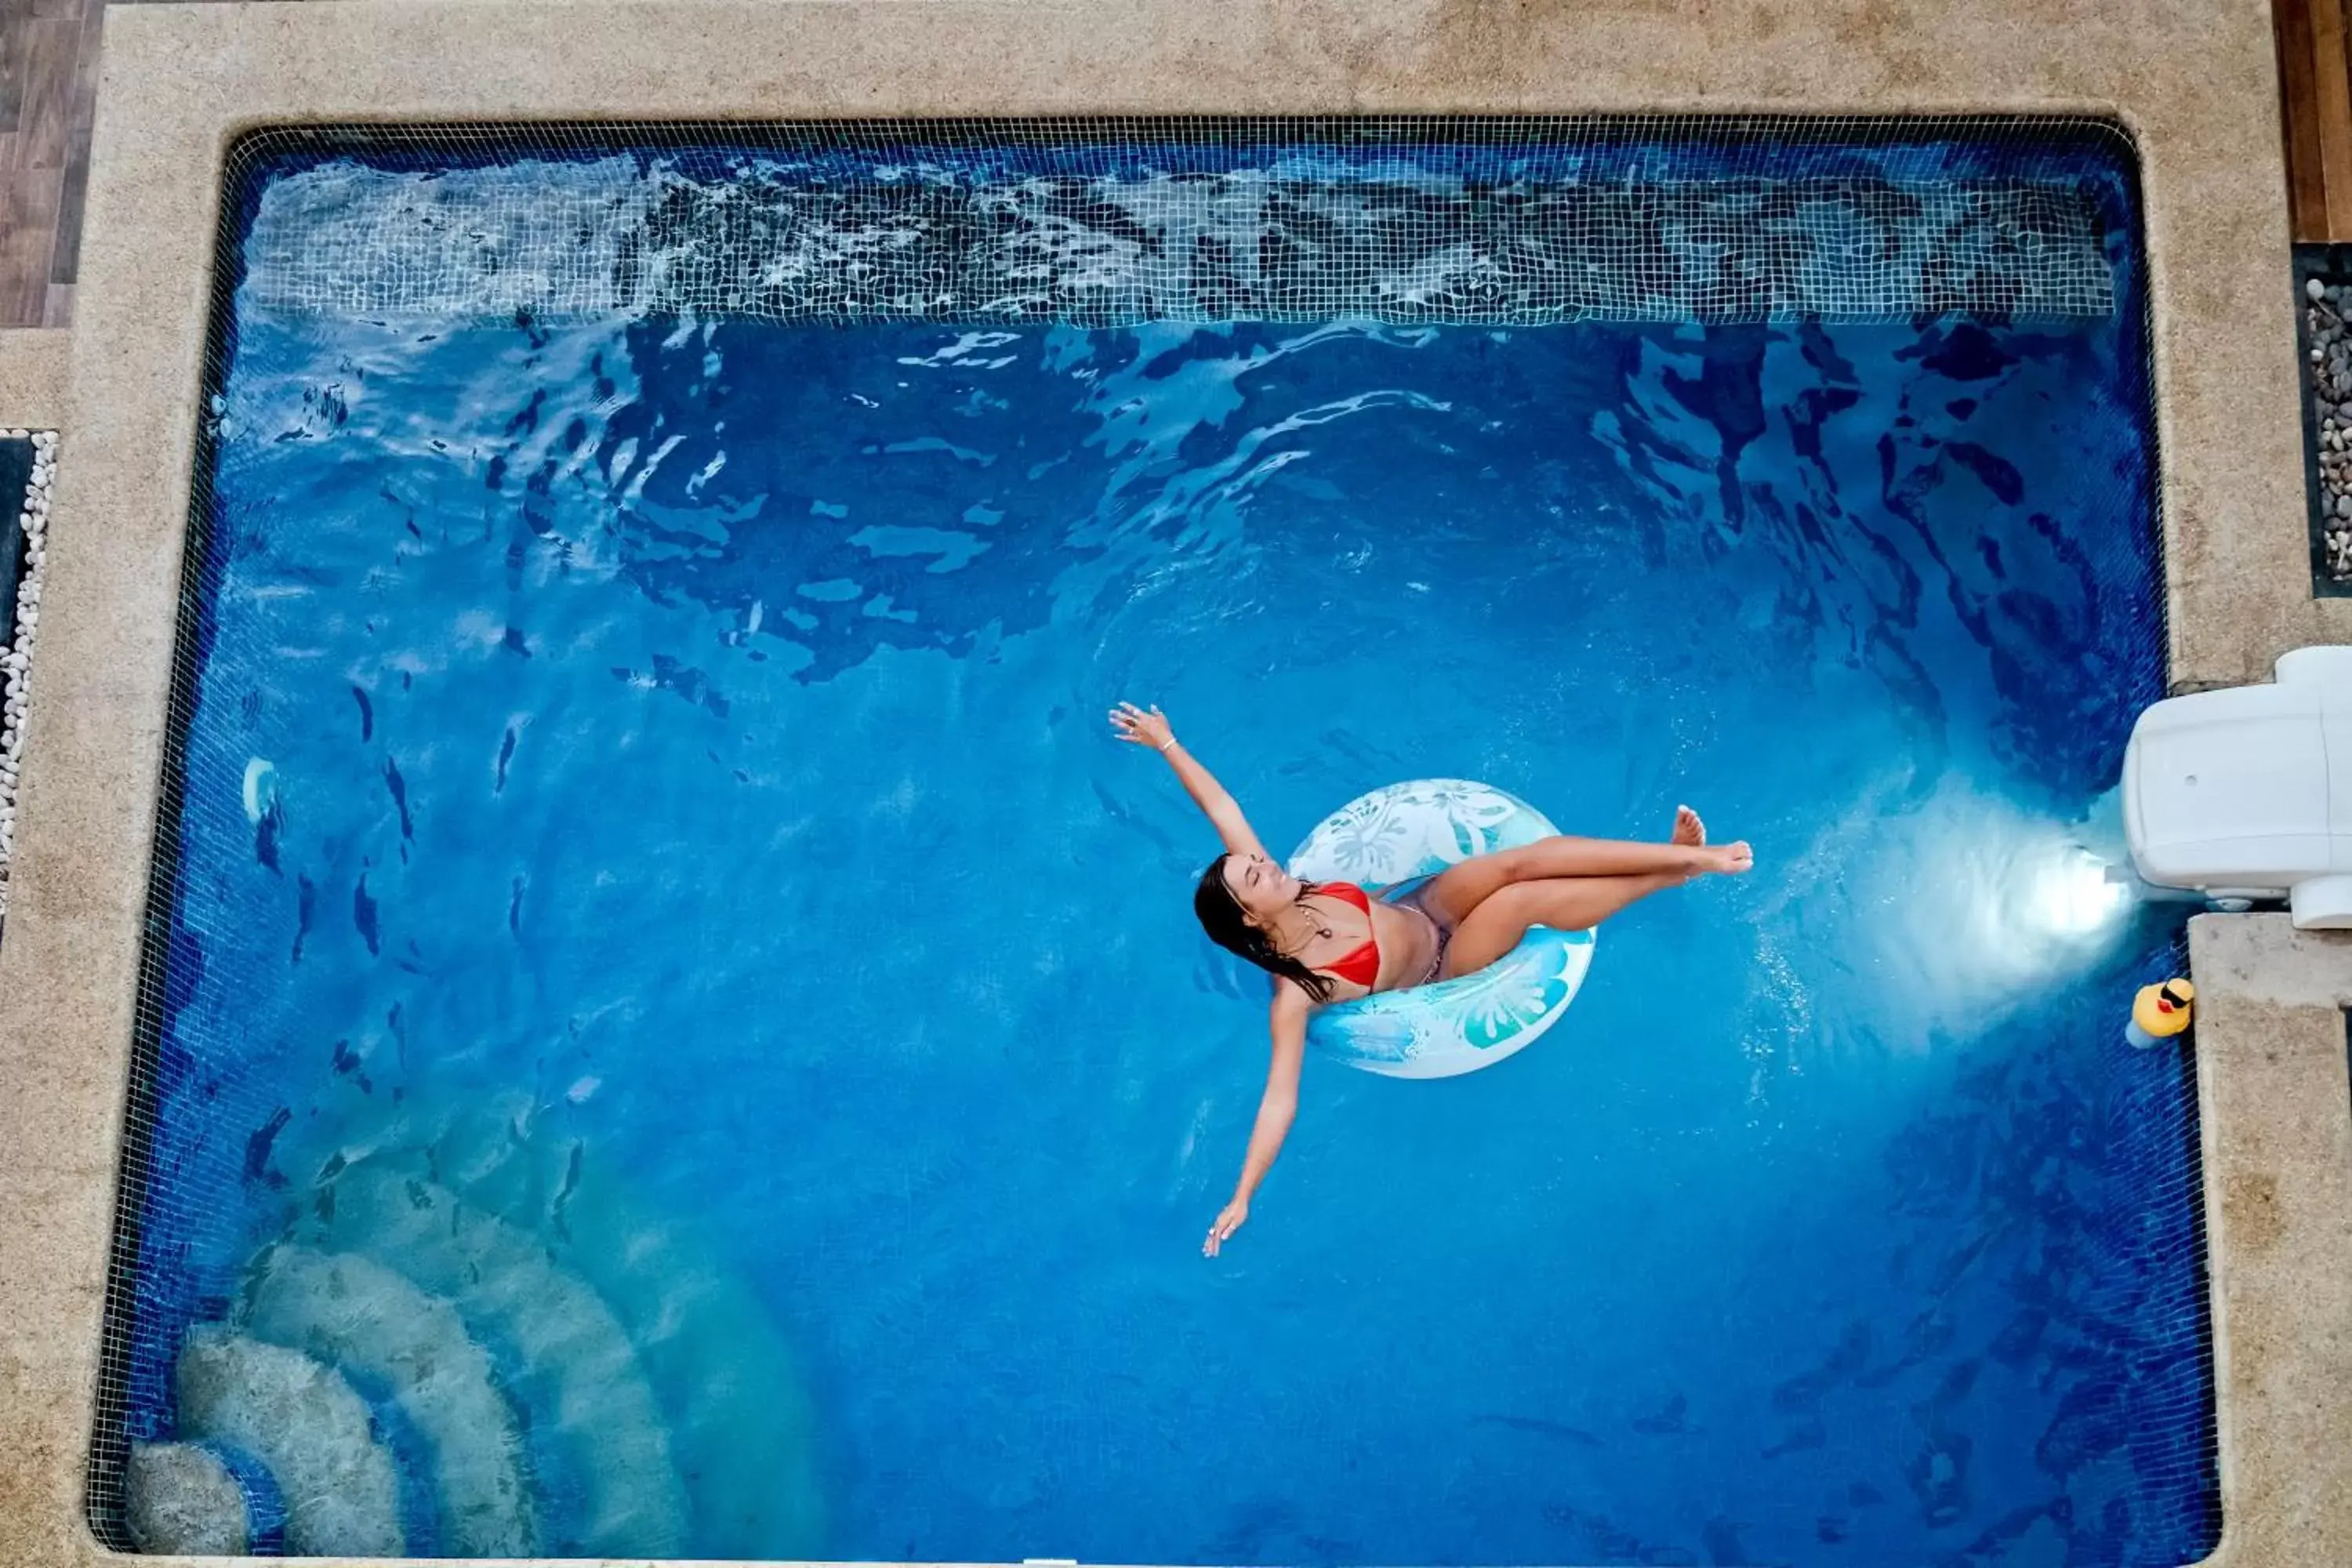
x: 2161, y: 1010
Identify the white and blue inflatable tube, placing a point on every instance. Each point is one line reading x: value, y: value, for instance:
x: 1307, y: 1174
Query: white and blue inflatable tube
x: 1407, y: 833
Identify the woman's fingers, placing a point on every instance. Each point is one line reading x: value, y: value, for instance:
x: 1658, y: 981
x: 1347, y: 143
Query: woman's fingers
x: 1133, y: 723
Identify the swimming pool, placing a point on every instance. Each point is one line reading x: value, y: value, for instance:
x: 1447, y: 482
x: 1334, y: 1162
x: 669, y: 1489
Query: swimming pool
x: 681, y: 1035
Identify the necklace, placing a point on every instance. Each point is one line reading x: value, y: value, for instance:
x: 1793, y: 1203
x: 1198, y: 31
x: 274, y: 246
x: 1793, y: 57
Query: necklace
x: 1292, y: 949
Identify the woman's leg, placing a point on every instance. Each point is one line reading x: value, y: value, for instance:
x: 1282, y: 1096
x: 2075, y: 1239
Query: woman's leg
x: 1563, y: 903
x: 1457, y: 891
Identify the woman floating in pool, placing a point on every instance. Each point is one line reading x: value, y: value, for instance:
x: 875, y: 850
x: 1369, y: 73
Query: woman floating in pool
x: 1334, y: 941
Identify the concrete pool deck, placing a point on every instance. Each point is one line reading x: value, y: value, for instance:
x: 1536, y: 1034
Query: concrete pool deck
x: 32, y: 367
x: 2194, y: 86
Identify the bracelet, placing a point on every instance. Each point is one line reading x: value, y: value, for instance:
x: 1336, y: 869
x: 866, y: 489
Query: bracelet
x: 1170, y: 745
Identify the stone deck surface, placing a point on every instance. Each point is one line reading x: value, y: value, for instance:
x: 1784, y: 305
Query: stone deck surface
x: 2195, y: 85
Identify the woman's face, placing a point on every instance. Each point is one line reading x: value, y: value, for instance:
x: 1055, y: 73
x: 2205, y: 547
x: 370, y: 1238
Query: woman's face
x: 1262, y: 888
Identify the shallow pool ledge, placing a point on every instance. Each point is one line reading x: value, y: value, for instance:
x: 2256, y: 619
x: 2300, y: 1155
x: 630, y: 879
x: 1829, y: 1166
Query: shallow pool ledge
x: 2276, y: 1111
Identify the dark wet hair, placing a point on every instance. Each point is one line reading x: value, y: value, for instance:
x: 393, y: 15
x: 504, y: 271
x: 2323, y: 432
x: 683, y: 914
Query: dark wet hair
x: 1228, y: 925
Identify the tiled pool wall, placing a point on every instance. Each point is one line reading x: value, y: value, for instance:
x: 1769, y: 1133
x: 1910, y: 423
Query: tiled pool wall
x: 2197, y: 92
x: 1111, y: 220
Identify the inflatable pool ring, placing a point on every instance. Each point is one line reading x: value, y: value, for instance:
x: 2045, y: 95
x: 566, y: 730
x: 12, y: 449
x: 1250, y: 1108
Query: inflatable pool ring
x: 1407, y: 833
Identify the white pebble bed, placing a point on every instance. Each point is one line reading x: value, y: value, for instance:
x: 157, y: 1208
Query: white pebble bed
x: 19, y: 658
x: 2326, y: 307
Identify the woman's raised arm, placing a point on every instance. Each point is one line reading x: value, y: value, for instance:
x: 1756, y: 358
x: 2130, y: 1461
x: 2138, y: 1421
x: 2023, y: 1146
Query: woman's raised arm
x: 1150, y: 728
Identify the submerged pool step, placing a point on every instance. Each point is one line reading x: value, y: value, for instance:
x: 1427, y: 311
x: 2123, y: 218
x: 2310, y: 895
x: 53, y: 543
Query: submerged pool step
x: 200, y: 1500
x: 368, y: 1321
x: 547, y: 1366
x: 735, y: 1407
x: 573, y: 1367
x: 367, y: 1389
x: 308, y: 1426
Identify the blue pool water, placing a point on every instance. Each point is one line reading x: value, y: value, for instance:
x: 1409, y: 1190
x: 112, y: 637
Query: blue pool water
x: 677, y: 1001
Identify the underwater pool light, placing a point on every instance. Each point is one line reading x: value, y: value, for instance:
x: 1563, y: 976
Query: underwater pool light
x: 2073, y: 893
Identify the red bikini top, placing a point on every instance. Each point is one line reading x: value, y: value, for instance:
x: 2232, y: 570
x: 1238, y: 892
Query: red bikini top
x: 1361, y: 967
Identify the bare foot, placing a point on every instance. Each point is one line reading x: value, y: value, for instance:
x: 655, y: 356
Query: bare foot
x: 1689, y: 828
x: 1734, y: 858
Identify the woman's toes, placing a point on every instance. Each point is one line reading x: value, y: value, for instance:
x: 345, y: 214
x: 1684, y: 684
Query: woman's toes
x: 1689, y: 828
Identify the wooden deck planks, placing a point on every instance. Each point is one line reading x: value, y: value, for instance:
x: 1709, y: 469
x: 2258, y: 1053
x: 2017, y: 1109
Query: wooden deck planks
x: 43, y: 54
x: 49, y: 99
x: 2314, y: 56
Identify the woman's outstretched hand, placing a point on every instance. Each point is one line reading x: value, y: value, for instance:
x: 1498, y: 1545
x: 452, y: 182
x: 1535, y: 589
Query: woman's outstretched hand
x: 1235, y: 1215
x: 1144, y: 728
